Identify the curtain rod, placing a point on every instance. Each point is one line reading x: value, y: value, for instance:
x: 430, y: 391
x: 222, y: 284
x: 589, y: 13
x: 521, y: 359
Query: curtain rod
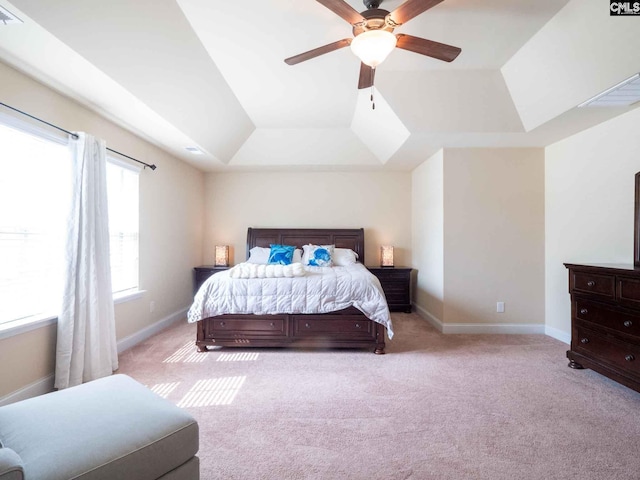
x: 74, y: 135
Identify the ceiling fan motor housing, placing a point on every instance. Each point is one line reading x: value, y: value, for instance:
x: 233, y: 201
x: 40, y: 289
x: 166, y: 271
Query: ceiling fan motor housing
x: 374, y: 19
x: 371, y: 3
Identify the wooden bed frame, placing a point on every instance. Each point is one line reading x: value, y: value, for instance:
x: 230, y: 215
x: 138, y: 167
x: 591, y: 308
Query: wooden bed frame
x: 348, y: 328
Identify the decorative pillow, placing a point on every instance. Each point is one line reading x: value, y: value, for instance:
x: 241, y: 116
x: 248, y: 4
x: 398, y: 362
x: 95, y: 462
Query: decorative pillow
x: 281, y: 254
x: 259, y: 255
x: 343, y: 257
x: 318, y: 255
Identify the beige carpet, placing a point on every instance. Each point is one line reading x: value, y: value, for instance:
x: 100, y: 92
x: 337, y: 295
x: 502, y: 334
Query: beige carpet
x: 435, y: 407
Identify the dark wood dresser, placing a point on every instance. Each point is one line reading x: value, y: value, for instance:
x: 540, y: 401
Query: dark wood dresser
x: 396, y: 283
x: 605, y: 321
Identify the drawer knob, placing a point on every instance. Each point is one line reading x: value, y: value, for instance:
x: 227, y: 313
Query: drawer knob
x: 584, y: 311
x: 627, y: 323
x: 591, y: 283
x: 307, y: 325
x: 222, y: 324
x: 357, y: 325
x: 584, y: 340
x: 629, y: 358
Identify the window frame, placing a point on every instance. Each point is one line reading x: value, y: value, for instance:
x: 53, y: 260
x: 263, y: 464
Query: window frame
x: 23, y: 325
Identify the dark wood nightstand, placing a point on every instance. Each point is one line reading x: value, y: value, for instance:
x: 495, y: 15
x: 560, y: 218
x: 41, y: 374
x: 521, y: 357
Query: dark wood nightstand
x: 203, y: 272
x: 396, y: 283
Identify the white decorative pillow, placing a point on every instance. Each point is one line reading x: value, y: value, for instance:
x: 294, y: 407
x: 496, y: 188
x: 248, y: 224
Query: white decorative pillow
x: 318, y: 255
x: 343, y: 257
x: 260, y: 255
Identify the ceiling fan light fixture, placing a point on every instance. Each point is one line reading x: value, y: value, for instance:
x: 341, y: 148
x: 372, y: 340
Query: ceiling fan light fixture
x: 373, y: 46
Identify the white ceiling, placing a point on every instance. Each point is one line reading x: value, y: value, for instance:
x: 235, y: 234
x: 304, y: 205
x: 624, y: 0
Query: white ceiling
x: 210, y: 73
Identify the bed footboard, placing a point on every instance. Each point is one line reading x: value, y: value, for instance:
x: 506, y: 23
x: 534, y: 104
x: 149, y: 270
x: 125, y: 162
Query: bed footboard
x: 347, y: 328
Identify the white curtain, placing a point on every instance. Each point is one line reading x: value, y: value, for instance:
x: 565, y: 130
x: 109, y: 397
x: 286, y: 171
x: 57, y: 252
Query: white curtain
x: 86, y: 347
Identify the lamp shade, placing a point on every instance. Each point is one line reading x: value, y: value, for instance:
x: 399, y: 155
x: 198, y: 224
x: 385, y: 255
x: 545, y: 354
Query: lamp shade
x: 373, y: 46
x: 222, y: 256
x: 386, y: 256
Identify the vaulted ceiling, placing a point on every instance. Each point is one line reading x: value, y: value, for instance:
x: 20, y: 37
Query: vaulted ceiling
x: 210, y: 73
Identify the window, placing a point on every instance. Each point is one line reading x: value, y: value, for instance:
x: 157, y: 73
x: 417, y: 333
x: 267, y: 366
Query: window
x: 122, y: 189
x: 35, y: 182
x: 34, y: 185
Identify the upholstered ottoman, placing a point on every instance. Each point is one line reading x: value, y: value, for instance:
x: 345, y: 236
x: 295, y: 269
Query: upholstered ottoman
x: 112, y: 428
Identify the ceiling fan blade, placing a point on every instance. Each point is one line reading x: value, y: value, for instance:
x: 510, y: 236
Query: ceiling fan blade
x: 316, y: 52
x: 343, y: 9
x: 441, y: 51
x: 412, y: 8
x: 366, y: 76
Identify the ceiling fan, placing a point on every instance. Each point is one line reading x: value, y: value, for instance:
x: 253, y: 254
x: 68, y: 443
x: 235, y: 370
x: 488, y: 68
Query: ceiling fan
x: 373, y: 39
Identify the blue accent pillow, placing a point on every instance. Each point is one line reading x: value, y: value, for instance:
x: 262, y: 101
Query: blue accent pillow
x: 281, y: 254
x: 320, y: 255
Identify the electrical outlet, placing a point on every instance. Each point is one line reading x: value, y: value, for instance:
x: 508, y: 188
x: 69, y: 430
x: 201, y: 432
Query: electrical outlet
x: 152, y: 306
x: 500, y: 307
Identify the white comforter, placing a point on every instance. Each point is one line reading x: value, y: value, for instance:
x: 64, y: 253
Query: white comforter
x: 320, y: 290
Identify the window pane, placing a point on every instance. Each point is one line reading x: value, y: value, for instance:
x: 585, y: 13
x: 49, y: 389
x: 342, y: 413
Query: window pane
x: 34, y: 193
x: 122, y: 189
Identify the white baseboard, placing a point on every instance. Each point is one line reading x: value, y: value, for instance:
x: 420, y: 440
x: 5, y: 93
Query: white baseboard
x: 39, y: 387
x: 478, y: 328
x: 429, y: 317
x: 558, y: 334
x: 45, y: 385
x: 493, y: 328
x: 141, y: 335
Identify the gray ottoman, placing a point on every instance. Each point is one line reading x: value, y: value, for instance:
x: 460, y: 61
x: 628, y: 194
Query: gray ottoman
x: 112, y: 428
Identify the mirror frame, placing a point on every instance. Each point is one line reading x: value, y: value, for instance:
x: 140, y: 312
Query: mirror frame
x: 636, y: 226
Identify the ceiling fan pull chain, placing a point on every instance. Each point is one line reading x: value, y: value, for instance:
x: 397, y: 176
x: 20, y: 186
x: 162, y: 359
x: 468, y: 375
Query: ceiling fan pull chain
x: 373, y: 103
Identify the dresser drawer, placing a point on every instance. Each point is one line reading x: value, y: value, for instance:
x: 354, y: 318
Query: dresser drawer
x: 629, y: 291
x: 229, y: 327
x: 607, y: 349
x: 594, y: 284
x: 317, y: 326
x: 606, y: 316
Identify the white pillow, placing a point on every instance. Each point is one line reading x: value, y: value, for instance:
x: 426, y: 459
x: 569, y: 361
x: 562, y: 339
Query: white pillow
x: 343, y: 257
x: 318, y: 255
x: 260, y: 255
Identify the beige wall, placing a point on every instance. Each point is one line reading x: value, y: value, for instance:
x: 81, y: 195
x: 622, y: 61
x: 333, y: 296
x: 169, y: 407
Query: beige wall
x: 486, y: 207
x: 171, y: 210
x: 380, y: 202
x: 427, y: 218
x: 494, y: 235
x: 589, y: 182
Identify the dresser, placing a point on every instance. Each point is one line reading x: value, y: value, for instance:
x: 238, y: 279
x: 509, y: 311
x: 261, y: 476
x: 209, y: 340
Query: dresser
x: 605, y: 320
x: 396, y: 283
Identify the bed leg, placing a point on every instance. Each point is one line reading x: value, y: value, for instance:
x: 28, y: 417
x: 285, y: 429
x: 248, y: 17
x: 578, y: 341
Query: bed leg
x: 379, y: 351
x: 202, y: 348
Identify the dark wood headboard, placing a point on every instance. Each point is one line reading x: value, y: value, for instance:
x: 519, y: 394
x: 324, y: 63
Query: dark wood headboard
x: 352, y: 238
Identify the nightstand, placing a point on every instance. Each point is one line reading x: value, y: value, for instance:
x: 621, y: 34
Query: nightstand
x: 203, y: 272
x: 396, y: 283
